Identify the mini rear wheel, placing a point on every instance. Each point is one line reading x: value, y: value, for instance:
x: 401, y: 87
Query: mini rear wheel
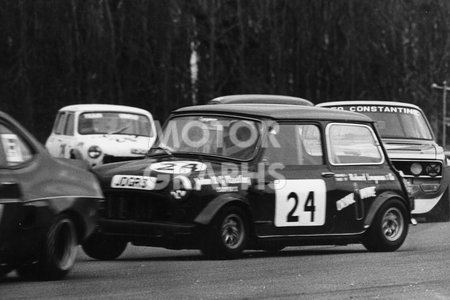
x: 389, y: 228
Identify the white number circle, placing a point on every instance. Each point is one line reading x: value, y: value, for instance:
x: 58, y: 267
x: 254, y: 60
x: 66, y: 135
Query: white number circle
x: 178, y: 167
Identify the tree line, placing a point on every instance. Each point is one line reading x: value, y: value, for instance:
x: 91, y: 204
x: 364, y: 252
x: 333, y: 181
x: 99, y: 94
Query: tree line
x: 161, y: 55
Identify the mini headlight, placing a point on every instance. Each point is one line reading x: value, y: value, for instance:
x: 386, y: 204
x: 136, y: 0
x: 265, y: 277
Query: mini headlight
x: 94, y: 151
x: 433, y: 169
x: 416, y: 168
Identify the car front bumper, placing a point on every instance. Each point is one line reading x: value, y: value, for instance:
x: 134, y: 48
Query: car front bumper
x: 159, y: 234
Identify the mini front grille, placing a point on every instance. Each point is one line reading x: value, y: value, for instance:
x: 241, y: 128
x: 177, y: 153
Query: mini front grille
x: 428, y: 168
x: 136, y: 207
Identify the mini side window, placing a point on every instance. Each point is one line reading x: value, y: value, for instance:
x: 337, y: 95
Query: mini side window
x: 60, y: 123
x: 15, y: 149
x: 353, y: 144
x: 311, y: 144
x: 294, y: 145
x: 69, y: 128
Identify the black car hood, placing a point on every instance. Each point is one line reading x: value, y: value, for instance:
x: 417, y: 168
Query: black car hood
x: 413, y: 149
x: 162, y: 172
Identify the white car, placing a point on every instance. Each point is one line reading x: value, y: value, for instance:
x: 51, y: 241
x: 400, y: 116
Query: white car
x: 101, y: 133
x: 412, y: 148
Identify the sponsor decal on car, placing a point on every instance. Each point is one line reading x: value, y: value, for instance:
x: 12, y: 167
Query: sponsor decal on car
x: 227, y: 189
x: 220, y: 182
x: 129, y: 116
x: 381, y: 109
x: 364, y: 177
x: 350, y: 198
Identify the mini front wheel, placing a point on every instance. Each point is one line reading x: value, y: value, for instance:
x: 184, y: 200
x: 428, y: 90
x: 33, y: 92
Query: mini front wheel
x: 389, y: 228
x: 227, y: 235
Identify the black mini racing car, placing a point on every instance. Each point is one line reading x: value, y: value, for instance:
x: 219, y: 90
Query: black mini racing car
x: 47, y: 206
x: 228, y: 177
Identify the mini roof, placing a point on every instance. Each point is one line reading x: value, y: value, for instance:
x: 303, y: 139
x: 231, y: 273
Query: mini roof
x: 368, y: 102
x: 275, y: 111
x: 104, y: 107
x: 259, y: 98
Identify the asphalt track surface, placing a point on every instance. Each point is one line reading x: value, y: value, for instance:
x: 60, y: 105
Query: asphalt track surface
x: 420, y: 269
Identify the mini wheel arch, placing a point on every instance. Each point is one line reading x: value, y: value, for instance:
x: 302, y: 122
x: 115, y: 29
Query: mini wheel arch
x: 228, y: 234
x: 208, y: 213
x: 381, y: 199
x: 207, y: 216
x: 389, y: 227
x: 75, y: 154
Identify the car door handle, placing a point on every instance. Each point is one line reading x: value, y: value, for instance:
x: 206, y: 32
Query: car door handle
x: 327, y: 174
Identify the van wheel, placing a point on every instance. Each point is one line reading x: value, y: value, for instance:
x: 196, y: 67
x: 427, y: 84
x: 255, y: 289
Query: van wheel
x: 389, y: 228
x: 227, y: 235
x: 104, y: 247
x: 58, y: 255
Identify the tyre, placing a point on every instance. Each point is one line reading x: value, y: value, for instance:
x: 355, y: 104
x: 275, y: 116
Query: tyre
x: 227, y: 235
x: 58, y: 254
x: 104, y: 247
x: 388, y: 229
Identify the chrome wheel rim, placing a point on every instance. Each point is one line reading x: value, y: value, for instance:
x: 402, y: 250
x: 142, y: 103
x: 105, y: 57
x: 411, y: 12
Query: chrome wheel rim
x: 393, y: 224
x: 232, y: 231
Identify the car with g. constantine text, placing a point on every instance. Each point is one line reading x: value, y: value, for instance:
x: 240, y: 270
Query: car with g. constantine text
x: 412, y: 148
x: 224, y: 178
